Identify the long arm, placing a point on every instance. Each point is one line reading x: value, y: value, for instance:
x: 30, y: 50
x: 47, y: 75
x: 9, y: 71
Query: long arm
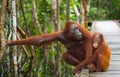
x: 37, y: 40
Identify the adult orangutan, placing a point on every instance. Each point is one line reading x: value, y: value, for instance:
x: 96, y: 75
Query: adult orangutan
x: 76, y: 39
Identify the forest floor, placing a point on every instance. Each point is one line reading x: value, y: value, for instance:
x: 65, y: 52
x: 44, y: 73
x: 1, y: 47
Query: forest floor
x: 111, y: 32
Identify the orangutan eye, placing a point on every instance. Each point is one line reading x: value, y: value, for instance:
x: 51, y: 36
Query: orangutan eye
x: 73, y: 28
x: 76, y: 33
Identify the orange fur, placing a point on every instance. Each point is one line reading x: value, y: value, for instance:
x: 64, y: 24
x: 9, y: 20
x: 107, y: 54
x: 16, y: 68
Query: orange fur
x: 79, y: 52
x: 36, y: 40
x: 102, y: 54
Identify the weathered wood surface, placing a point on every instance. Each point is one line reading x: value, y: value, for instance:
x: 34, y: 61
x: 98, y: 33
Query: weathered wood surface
x: 111, y: 32
x: 83, y: 73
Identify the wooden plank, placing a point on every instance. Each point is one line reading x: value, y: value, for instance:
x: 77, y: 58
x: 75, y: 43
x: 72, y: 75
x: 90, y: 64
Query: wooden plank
x: 91, y: 21
x: 105, y: 75
x: 113, y: 40
x: 110, y: 34
x: 84, y: 73
x: 110, y: 43
x: 115, y: 49
x: 112, y: 37
x: 114, y: 66
x: 114, y: 46
x: 115, y: 52
x: 115, y: 57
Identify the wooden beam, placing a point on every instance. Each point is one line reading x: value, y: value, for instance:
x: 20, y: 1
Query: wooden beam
x: 102, y: 20
x: 84, y: 73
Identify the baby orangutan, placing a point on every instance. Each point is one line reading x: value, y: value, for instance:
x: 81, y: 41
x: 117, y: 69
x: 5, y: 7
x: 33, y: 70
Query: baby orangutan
x: 101, y: 54
x: 97, y: 40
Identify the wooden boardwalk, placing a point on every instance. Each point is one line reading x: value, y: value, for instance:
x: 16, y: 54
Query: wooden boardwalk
x: 111, y: 32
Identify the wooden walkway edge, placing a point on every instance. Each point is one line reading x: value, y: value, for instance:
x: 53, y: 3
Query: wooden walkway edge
x: 111, y: 32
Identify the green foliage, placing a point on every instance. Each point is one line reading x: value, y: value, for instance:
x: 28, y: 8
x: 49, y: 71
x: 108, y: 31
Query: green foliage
x: 44, y: 10
x: 104, y: 10
x: 4, y: 68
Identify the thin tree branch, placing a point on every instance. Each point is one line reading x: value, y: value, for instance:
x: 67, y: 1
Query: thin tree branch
x: 24, y: 17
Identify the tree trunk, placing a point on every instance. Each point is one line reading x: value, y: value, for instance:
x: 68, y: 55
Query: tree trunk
x: 2, y: 37
x: 56, y: 20
x: 67, y: 10
x: 85, y: 12
x: 67, y: 19
x: 77, y: 13
x: 23, y: 13
x: 82, y: 13
x: 14, y: 38
x: 54, y: 17
x: 85, y: 5
x: 35, y: 18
